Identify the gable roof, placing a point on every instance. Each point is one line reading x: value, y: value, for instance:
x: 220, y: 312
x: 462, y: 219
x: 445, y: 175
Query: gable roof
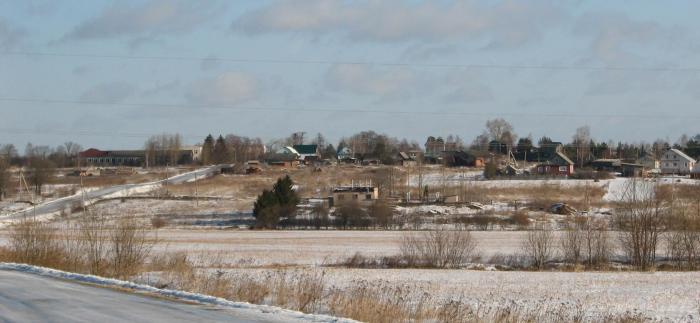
x: 306, y: 149
x: 557, y: 159
x: 682, y: 154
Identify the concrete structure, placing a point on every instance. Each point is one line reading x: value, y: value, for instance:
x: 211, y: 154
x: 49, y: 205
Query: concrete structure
x: 363, y: 194
x: 675, y: 161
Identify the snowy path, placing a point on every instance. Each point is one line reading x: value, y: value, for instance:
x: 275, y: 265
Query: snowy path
x: 55, y: 206
x: 35, y: 294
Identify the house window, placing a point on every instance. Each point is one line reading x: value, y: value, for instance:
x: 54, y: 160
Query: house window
x: 368, y: 196
x: 562, y: 168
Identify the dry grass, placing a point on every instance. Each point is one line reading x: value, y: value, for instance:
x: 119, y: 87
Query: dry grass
x: 87, y: 246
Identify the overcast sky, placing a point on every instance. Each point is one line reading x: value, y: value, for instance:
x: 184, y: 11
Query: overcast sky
x: 108, y: 73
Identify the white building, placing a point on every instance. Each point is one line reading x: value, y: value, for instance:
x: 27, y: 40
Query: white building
x: 675, y: 161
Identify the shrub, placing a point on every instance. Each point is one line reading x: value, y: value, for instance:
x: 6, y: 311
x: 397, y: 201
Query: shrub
x: 438, y: 248
x: 539, y: 246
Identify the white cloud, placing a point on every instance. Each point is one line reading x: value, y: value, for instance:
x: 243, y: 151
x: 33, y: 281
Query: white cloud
x: 227, y: 88
x: 364, y: 80
x: 616, y: 38
x: 502, y: 24
x: 151, y: 17
x: 111, y: 92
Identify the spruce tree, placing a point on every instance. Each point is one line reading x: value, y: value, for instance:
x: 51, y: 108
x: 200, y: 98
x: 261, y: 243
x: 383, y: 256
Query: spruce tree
x: 221, y: 154
x: 207, y: 150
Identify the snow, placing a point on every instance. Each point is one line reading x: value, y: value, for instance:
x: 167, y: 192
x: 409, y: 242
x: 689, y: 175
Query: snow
x: 663, y: 296
x: 174, y: 294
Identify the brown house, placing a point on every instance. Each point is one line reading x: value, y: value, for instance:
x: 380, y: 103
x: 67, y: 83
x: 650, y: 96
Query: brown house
x: 558, y: 165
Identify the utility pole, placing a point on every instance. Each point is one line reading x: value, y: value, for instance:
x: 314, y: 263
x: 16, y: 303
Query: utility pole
x: 196, y: 191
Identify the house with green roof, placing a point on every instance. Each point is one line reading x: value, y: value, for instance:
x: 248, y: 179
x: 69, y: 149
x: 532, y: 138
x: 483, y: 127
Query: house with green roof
x: 308, y: 153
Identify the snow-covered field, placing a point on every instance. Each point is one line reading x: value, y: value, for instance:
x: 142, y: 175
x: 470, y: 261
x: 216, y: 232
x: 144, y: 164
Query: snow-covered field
x: 663, y: 296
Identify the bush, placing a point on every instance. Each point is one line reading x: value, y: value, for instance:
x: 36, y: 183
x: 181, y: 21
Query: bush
x: 437, y: 248
x: 539, y: 246
x: 33, y: 242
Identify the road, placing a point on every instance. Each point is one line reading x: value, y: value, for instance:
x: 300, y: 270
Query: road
x: 27, y: 297
x: 62, y: 203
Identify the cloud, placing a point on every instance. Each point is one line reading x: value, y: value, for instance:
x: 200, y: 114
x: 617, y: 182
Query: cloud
x: 111, y: 92
x: 149, y: 18
x: 616, y: 38
x: 364, y: 80
x: 464, y: 87
x: 500, y: 24
x: 227, y: 88
x: 10, y: 37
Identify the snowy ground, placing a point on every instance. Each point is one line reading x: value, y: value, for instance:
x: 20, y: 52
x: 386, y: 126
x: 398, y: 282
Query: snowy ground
x: 616, y: 189
x: 270, y: 248
x: 663, y: 296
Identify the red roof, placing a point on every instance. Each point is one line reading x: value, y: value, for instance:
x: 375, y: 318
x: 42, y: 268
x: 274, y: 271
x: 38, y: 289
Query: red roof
x: 92, y: 152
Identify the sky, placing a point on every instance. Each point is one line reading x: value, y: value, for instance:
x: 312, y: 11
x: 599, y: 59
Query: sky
x: 108, y: 74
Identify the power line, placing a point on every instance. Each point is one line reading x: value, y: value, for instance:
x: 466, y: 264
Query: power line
x: 359, y: 62
x: 347, y: 110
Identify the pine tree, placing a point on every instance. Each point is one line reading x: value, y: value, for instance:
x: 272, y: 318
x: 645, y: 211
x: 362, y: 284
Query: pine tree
x: 221, y: 154
x: 272, y: 205
x: 208, y: 150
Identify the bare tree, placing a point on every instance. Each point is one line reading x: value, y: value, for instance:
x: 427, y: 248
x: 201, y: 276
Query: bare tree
x: 438, y: 248
x: 8, y: 152
x: 4, y: 177
x: 582, y: 140
x: 683, y: 237
x: 640, y: 218
x: 572, y: 243
x: 381, y: 213
x: 539, y: 246
x: 597, y: 246
x: 320, y: 216
x: 41, y: 171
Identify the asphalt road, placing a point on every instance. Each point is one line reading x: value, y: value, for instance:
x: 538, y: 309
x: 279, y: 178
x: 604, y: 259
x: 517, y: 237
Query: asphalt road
x: 63, y: 203
x: 31, y: 298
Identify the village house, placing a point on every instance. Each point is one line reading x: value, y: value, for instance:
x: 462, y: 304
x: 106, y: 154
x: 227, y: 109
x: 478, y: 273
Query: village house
x: 307, y: 153
x: 346, y: 156
x: 649, y: 162
x: 362, y: 194
x: 675, y: 161
x: 410, y: 158
x: 461, y: 159
x: 559, y: 164
x: 435, y: 146
x: 284, y: 157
